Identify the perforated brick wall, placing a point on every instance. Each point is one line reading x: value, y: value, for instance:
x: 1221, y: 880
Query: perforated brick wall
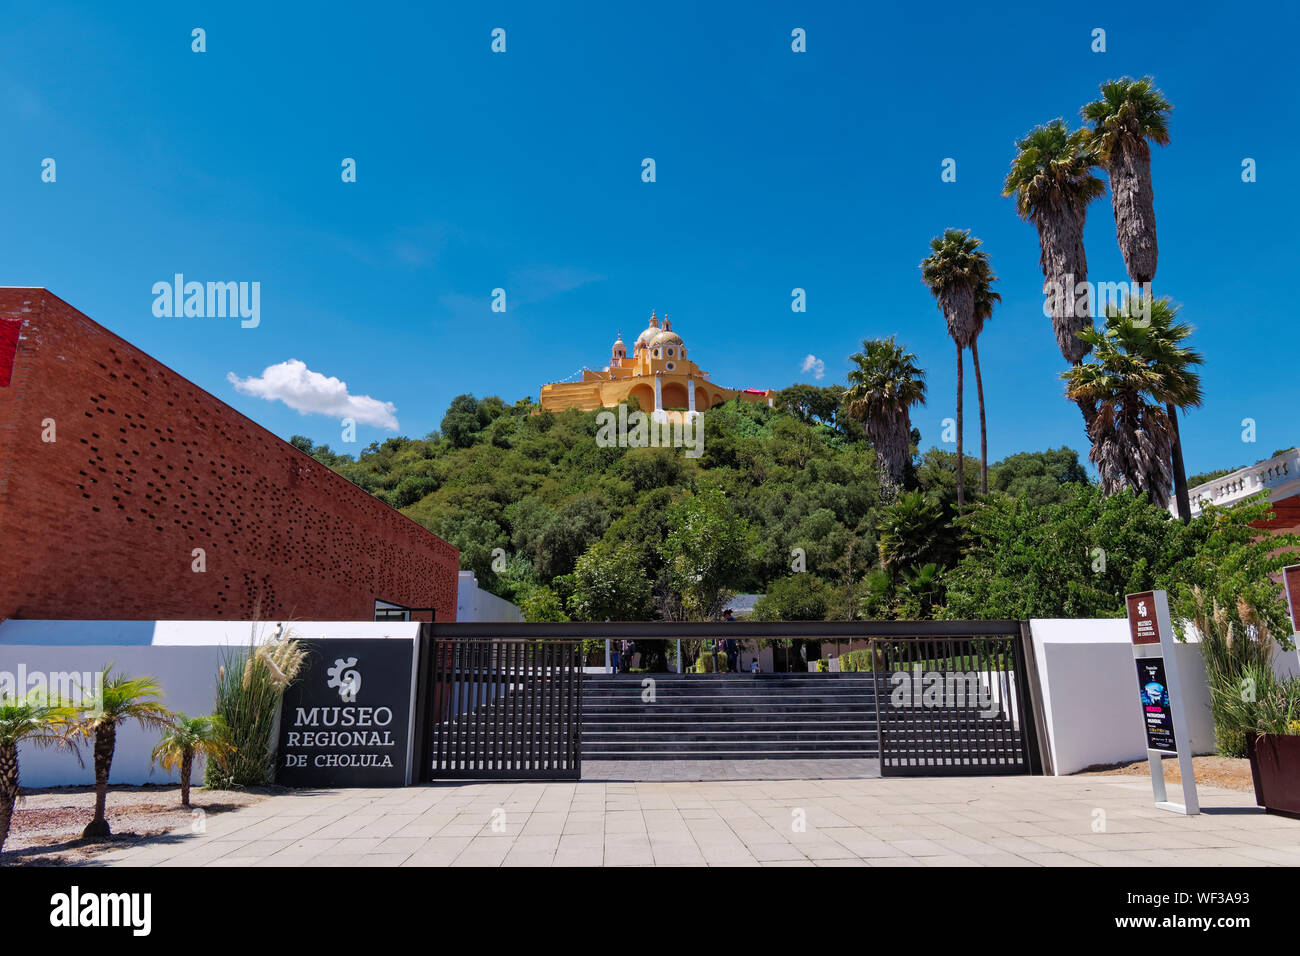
x: 145, y: 467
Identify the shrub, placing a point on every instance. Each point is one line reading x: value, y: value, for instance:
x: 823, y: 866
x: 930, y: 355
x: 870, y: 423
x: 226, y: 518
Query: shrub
x: 1244, y: 691
x: 250, y: 688
x: 851, y: 661
x: 704, y: 664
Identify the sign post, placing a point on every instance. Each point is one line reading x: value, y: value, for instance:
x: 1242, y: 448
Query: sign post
x: 1160, y: 692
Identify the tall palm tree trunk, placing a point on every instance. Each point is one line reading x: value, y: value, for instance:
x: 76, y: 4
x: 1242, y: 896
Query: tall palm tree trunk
x: 105, y: 742
x: 1133, y: 201
x: 1180, y: 473
x: 187, y: 767
x: 8, y: 787
x: 961, y: 477
x: 984, y: 442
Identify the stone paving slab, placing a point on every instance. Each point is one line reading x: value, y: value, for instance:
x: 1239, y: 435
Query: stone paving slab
x: 728, y: 821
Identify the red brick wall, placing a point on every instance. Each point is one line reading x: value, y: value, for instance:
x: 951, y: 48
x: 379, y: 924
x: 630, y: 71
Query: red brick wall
x: 102, y: 522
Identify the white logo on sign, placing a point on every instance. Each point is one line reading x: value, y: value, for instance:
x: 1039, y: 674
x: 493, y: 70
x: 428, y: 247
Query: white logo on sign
x: 1142, y: 608
x: 345, y: 677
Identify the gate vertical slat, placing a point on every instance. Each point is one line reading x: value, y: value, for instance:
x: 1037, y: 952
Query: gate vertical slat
x: 960, y: 744
x: 947, y: 716
x: 974, y: 742
x: 471, y: 696
x: 512, y: 698
x: 557, y: 706
x: 987, y: 661
x: 542, y: 688
x: 530, y: 707
x: 932, y: 723
x: 992, y: 737
x: 1002, y: 739
x: 575, y: 737
x: 494, y: 706
x: 457, y: 724
x: 480, y: 748
x: 545, y: 723
x: 557, y: 719
x: 965, y: 718
x: 518, y: 763
x: 449, y: 701
x: 941, y: 716
x: 481, y: 709
x: 566, y: 754
x: 1004, y: 711
x: 1022, y: 700
x: 499, y: 705
x: 439, y: 706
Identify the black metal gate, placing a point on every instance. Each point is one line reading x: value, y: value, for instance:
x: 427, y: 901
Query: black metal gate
x: 502, y: 708
x: 951, y: 697
x: 953, y: 704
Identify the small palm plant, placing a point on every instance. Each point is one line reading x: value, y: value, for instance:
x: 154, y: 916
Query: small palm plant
x: 187, y: 738
x: 117, y: 700
x: 35, y: 719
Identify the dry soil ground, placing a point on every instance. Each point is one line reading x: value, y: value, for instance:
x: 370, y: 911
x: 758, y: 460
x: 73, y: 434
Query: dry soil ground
x: 47, y: 823
x: 1231, y: 773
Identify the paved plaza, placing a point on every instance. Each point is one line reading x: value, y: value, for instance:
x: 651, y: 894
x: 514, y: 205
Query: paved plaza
x: 977, y: 821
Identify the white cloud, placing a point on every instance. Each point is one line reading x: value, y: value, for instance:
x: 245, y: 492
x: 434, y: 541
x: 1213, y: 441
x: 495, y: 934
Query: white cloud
x: 815, y: 365
x: 311, y: 393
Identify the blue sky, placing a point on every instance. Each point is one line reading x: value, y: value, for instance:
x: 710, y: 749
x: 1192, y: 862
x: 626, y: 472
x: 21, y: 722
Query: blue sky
x: 522, y: 170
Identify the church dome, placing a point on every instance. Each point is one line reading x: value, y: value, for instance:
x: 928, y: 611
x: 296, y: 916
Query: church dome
x: 665, y: 337
x: 644, y: 338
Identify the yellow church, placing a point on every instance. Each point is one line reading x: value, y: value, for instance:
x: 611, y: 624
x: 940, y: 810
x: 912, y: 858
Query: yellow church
x: 658, y: 375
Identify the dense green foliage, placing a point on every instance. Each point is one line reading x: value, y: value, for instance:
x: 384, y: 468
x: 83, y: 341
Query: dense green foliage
x: 787, y: 503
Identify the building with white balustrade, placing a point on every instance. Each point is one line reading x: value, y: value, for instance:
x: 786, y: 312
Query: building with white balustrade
x: 1279, y: 476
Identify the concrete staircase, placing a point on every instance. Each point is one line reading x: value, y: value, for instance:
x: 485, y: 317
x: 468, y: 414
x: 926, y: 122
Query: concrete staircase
x: 728, y: 716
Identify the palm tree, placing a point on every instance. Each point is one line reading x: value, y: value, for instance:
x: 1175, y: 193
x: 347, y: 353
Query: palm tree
x: 884, y: 384
x: 909, y: 531
x: 183, y: 740
x: 953, y: 271
x: 1053, y: 181
x: 1138, y: 371
x: 1129, y: 113
x: 35, y: 719
x: 117, y: 700
x: 984, y: 299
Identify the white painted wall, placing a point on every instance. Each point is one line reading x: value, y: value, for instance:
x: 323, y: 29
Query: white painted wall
x: 475, y: 604
x: 183, y: 655
x: 1090, y: 693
